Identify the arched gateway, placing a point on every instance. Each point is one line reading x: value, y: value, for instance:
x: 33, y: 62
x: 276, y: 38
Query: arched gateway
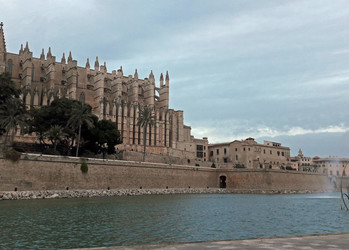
x: 222, y: 181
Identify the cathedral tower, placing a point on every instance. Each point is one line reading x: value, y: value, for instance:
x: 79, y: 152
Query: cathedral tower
x: 2, y: 49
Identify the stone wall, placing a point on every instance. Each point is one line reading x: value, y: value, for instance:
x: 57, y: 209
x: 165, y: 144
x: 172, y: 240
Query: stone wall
x: 261, y: 179
x: 163, y: 158
x: 35, y: 172
x: 38, y: 172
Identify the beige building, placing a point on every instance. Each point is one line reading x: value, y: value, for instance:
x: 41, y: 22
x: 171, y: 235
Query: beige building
x: 305, y: 163
x: 111, y: 94
x: 332, y: 166
x: 250, y: 154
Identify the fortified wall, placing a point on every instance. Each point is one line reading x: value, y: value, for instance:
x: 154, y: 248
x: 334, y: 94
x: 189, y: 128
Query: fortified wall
x: 40, y: 172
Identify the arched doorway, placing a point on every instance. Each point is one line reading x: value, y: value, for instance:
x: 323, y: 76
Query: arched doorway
x: 222, y: 181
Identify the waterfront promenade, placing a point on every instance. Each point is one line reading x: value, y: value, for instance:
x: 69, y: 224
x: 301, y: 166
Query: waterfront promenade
x: 322, y: 241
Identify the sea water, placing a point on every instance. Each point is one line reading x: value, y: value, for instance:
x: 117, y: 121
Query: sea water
x: 149, y: 219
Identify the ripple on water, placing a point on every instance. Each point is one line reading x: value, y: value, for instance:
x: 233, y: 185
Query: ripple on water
x: 107, y: 221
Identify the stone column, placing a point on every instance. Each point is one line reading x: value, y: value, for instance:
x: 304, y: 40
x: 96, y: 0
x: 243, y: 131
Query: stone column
x: 156, y: 127
x: 131, y: 124
x: 136, y: 128
x: 119, y: 118
x: 167, y: 129
x: 124, y: 122
x: 114, y: 112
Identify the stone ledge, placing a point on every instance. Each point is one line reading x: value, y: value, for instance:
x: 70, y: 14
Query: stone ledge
x: 55, y: 194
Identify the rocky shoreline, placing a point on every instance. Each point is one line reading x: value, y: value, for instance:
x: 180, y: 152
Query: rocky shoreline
x: 58, y: 194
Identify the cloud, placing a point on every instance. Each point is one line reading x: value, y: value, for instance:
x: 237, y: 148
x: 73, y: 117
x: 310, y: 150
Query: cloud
x: 276, y: 69
x: 241, y: 132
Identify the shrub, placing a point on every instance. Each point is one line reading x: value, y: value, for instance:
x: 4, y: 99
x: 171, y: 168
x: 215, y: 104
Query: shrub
x: 87, y: 153
x: 51, y: 151
x: 21, y: 150
x: 12, y: 155
x: 83, y: 166
x: 239, y: 165
x: 290, y: 168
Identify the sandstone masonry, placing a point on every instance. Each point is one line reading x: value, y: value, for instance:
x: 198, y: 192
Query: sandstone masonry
x: 112, y: 96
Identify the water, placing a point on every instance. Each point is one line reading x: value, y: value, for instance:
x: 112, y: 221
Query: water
x: 108, y: 221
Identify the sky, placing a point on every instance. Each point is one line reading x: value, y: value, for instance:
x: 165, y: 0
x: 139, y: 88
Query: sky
x: 272, y: 70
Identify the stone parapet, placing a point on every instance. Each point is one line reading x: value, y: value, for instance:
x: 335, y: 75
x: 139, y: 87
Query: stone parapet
x: 60, y: 194
x: 35, y: 172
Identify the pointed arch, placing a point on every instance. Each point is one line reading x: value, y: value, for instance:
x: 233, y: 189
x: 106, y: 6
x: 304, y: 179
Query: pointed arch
x: 9, y: 66
x: 82, y: 97
x: 33, y: 72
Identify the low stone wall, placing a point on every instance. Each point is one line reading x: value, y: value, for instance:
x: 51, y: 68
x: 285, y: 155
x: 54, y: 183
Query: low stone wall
x: 59, y: 194
x: 164, y: 158
x: 40, y: 172
x: 275, y: 179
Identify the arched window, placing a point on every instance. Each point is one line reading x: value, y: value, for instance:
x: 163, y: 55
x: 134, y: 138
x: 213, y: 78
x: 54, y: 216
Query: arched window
x: 82, y: 97
x: 33, y: 72
x: 140, y: 91
x: 9, y: 66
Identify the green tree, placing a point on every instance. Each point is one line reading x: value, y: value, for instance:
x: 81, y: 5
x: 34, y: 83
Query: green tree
x: 55, y: 134
x: 57, y: 113
x: 104, y: 131
x: 145, y: 119
x: 80, y: 114
x: 12, y: 116
x: 8, y: 88
x: 8, y: 91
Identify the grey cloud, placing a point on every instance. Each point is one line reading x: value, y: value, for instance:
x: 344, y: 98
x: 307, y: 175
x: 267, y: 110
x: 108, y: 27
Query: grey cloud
x: 234, y: 65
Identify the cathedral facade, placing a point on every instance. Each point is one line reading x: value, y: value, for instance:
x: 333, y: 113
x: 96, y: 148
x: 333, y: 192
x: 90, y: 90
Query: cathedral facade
x: 112, y: 96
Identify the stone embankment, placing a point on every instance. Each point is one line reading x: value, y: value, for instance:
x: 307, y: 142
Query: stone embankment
x: 56, y: 194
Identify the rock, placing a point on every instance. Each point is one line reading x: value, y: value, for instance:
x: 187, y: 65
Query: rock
x: 54, y: 196
x: 5, y: 197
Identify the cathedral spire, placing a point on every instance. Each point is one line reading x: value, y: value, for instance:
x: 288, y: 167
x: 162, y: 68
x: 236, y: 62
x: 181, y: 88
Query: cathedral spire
x: 21, y: 50
x: 26, y: 46
x: 70, y: 58
x: 105, y: 66
x: 42, y: 56
x: 161, y: 79
x: 136, y: 75
x: 2, y: 48
x: 87, y: 64
x: 2, y: 39
x: 151, y: 77
x: 96, y: 64
x: 167, y: 81
x: 63, y: 59
x: 120, y: 72
x: 49, y: 54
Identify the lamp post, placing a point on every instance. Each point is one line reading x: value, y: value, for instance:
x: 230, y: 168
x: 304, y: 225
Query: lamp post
x: 104, y: 149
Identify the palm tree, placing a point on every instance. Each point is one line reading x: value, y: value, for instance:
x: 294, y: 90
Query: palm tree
x: 12, y: 116
x: 81, y: 114
x: 145, y: 119
x: 55, y: 134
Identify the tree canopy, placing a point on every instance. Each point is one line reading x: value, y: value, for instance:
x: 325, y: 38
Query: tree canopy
x: 8, y: 88
x: 145, y: 119
x: 104, y: 132
x: 80, y: 114
x: 78, y: 125
x: 63, y: 122
x: 13, y: 114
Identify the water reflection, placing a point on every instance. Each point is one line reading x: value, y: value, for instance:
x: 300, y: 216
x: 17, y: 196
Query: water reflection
x: 72, y: 223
